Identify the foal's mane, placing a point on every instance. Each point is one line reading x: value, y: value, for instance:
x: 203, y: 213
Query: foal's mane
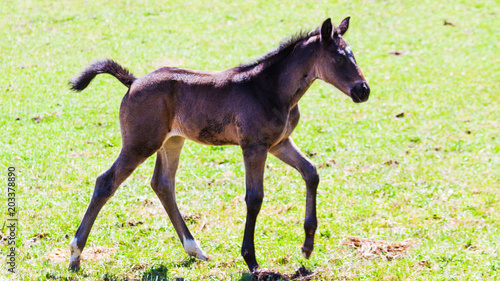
x: 284, y: 49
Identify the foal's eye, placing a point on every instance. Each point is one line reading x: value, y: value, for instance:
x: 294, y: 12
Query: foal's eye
x: 339, y: 60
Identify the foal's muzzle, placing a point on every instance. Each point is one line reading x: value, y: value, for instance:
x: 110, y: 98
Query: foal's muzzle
x: 360, y: 92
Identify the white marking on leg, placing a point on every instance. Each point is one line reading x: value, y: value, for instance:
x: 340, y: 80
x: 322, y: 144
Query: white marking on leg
x: 304, y: 255
x: 75, y: 252
x: 193, y: 248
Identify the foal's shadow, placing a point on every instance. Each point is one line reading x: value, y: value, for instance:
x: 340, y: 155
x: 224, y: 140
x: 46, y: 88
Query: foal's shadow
x: 302, y: 274
x: 156, y: 272
x: 272, y: 276
x: 160, y: 272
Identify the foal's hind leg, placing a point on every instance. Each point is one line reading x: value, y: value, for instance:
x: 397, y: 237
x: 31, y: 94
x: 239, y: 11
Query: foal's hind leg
x: 106, y: 185
x: 288, y: 152
x: 144, y: 127
x: 163, y: 183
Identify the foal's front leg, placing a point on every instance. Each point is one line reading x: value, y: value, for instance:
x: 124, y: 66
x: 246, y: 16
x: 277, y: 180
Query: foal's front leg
x: 255, y: 161
x: 289, y: 153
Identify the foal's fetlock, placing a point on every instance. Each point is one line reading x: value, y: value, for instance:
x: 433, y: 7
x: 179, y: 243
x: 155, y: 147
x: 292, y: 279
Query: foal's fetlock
x: 74, y: 262
x: 307, y: 248
x: 306, y: 253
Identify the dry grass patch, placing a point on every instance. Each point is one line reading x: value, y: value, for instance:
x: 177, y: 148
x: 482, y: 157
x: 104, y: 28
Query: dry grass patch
x: 371, y: 248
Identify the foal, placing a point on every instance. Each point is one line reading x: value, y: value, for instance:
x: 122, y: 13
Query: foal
x: 253, y: 105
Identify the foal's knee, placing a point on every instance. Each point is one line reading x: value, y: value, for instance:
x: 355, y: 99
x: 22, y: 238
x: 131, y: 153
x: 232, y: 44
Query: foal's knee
x: 310, y: 225
x: 254, y: 200
x: 162, y: 187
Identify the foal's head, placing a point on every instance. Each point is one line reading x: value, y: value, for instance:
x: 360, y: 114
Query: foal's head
x: 336, y: 64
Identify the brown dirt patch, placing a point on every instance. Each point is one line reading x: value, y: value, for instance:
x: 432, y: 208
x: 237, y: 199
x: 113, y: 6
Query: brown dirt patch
x: 371, y: 248
x: 91, y: 254
x: 58, y: 255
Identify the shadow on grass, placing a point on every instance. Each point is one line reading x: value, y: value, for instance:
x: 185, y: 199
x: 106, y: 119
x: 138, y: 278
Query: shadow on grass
x: 187, y: 262
x: 247, y: 277
x: 156, y: 273
x: 301, y: 273
x: 160, y: 272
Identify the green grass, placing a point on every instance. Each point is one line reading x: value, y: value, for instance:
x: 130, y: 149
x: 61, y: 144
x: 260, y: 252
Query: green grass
x: 443, y: 193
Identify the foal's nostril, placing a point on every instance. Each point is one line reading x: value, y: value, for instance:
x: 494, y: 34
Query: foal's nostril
x: 366, y: 89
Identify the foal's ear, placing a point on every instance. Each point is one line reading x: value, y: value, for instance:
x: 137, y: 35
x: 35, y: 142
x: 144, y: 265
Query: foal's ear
x: 326, y: 30
x: 344, y: 25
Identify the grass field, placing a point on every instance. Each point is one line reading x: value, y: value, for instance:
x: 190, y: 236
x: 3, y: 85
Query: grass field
x: 431, y: 175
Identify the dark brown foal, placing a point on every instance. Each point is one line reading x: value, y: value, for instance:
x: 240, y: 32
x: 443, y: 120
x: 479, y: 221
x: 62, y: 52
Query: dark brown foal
x: 252, y: 105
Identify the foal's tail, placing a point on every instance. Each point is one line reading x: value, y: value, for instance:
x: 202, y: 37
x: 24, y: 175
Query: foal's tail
x: 103, y: 66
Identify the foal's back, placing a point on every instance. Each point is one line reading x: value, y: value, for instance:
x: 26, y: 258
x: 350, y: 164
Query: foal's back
x: 205, y: 106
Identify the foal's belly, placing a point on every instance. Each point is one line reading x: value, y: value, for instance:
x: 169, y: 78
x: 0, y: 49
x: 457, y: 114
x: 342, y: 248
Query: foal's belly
x: 208, y: 131
x: 216, y: 128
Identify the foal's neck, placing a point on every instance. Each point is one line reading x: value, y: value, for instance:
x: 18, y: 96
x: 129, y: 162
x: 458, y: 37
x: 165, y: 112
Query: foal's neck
x: 297, y: 72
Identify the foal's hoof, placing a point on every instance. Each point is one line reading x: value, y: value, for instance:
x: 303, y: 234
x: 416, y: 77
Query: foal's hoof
x: 74, y: 265
x: 203, y: 256
x: 254, y: 268
x: 74, y: 260
x: 306, y: 253
x: 193, y: 248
